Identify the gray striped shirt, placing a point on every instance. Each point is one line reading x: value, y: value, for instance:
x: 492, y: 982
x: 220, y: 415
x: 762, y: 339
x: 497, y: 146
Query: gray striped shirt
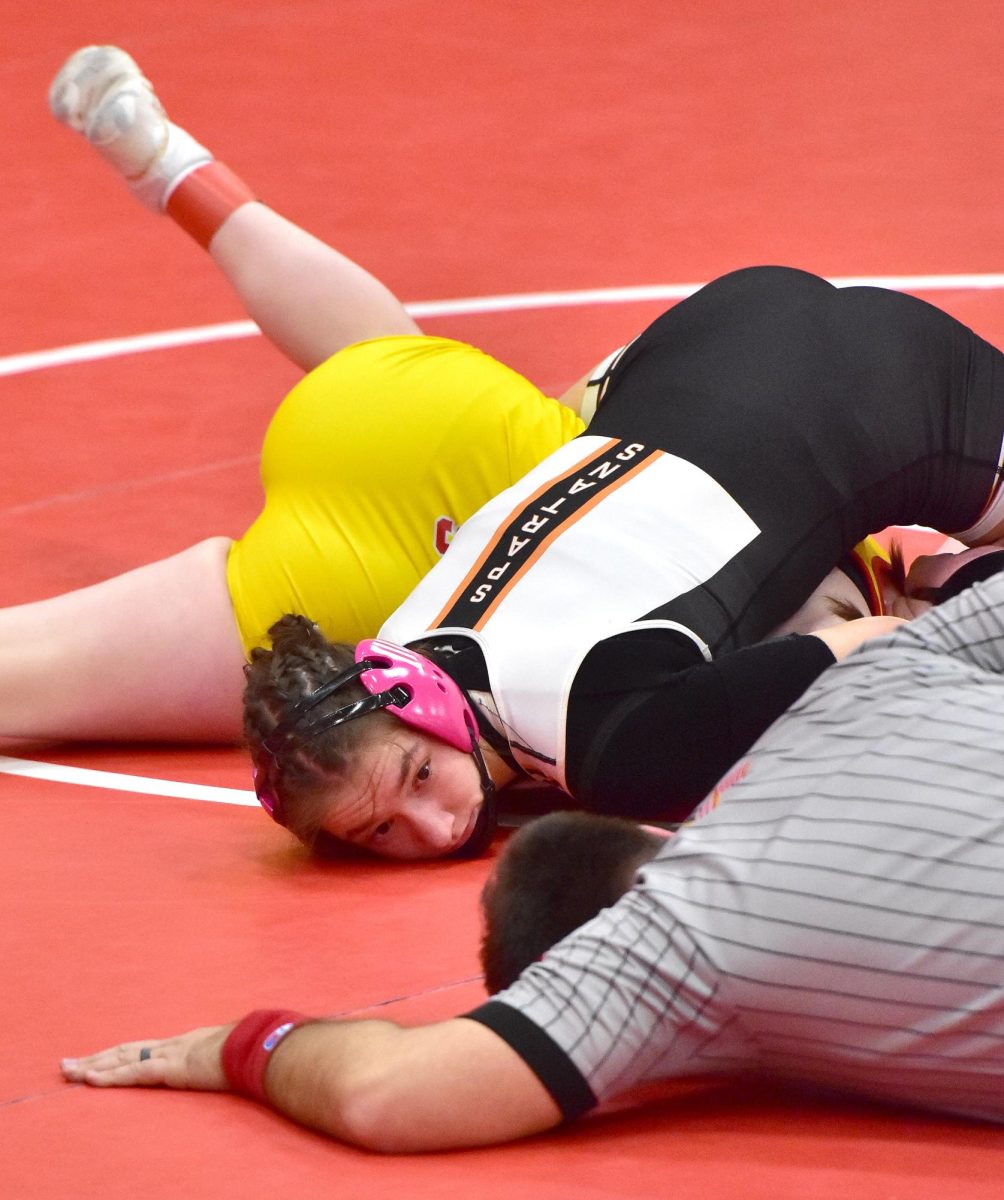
x: 837, y: 919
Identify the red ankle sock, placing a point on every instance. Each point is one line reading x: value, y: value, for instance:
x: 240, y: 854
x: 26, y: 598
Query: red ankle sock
x: 205, y: 198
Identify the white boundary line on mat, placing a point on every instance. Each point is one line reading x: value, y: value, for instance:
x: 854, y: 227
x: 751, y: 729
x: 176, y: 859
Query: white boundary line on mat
x: 113, y: 781
x: 40, y: 360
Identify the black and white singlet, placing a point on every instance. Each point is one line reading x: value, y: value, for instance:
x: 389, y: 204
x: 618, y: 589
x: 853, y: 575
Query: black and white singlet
x: 618, y: 593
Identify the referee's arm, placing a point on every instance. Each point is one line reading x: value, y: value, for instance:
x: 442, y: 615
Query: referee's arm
x: 434, y: 1087
x: 368, y: 1083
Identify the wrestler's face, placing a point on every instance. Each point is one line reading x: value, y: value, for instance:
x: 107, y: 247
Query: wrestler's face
x: 410, y: 796
x: 930, y: 571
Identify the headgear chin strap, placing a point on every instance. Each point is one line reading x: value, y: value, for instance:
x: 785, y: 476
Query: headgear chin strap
x: 417, y: 692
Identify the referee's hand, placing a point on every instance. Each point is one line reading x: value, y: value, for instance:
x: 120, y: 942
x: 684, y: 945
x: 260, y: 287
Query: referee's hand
x: 191, y: 1060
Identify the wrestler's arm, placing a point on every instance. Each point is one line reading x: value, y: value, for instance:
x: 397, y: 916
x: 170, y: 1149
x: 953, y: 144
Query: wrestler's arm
x: 650, y: 735
x: 368, y: 1083
x: 842, y: 639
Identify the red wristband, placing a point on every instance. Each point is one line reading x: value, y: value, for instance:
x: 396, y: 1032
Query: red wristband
x: 203, y: 200
x: 249, y: 1046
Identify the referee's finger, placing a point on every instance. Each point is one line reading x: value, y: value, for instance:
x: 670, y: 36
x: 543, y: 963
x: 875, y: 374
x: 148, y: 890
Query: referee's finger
x: 129, y: 1064
x: 150, y: 1073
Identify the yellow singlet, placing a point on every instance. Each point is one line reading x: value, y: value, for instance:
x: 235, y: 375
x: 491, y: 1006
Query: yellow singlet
x: 872, y: 561
x: 368, y: 466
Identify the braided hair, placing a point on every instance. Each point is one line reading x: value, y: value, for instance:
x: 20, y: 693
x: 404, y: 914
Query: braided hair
x: 306, y: 766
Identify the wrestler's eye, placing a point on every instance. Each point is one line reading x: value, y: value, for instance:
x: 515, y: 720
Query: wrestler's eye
x: 423, y: 772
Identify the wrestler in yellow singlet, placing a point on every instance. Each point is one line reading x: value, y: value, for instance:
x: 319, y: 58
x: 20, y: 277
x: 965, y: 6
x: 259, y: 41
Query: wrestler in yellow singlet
x: 368, y: 466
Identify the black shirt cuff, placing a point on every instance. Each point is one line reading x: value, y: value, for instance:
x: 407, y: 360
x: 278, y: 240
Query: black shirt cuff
x: 555, y: 1070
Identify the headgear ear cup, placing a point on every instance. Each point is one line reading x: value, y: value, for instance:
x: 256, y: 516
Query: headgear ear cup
x: 435, y: 702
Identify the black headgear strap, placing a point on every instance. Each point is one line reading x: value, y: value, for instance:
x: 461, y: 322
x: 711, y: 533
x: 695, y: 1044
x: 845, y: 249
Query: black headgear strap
x: 293, y: 721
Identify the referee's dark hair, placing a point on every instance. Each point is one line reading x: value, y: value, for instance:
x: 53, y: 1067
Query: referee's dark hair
x: 553, y: 876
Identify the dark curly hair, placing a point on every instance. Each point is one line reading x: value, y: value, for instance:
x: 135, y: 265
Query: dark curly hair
x: 555, y: 874
x: 307, y: 766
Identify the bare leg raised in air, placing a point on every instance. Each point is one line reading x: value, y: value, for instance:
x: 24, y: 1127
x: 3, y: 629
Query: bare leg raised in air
x: 307, y: 298
x: 155, y: 654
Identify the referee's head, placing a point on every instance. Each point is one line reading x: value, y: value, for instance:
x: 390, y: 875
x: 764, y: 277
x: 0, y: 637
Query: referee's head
x: 553, y: 876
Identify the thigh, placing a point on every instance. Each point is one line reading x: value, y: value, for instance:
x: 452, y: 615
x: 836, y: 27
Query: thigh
x: 151, y: 655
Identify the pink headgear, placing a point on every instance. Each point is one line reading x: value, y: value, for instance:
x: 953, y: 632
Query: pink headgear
x: 414, y: 689
x: 434, y: 704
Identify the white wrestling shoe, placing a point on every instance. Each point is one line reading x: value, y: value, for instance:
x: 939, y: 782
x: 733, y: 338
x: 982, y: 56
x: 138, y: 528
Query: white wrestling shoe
x: 102, y: 93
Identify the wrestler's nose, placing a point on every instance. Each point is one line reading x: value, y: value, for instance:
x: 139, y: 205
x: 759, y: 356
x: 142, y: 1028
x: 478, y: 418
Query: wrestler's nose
x: 432, y: 826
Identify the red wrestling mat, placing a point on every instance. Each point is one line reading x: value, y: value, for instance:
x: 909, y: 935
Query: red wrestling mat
x: 456, y: 149
x: 140, y: 916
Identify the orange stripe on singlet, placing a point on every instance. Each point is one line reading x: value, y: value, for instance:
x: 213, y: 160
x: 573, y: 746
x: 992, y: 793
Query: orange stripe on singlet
x: 495, y: 541
x: 559, y: 528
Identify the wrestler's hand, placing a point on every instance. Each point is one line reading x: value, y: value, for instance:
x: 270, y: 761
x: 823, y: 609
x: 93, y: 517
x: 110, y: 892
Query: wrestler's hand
x: 191, y: 1060
x: 842, y: 639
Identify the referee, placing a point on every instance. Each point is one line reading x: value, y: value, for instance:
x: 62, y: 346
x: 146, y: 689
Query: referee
x: 837, y: 919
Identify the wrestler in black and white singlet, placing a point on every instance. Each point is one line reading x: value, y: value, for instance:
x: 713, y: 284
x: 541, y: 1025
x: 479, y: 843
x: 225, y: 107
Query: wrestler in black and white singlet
x: 613, y: 601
